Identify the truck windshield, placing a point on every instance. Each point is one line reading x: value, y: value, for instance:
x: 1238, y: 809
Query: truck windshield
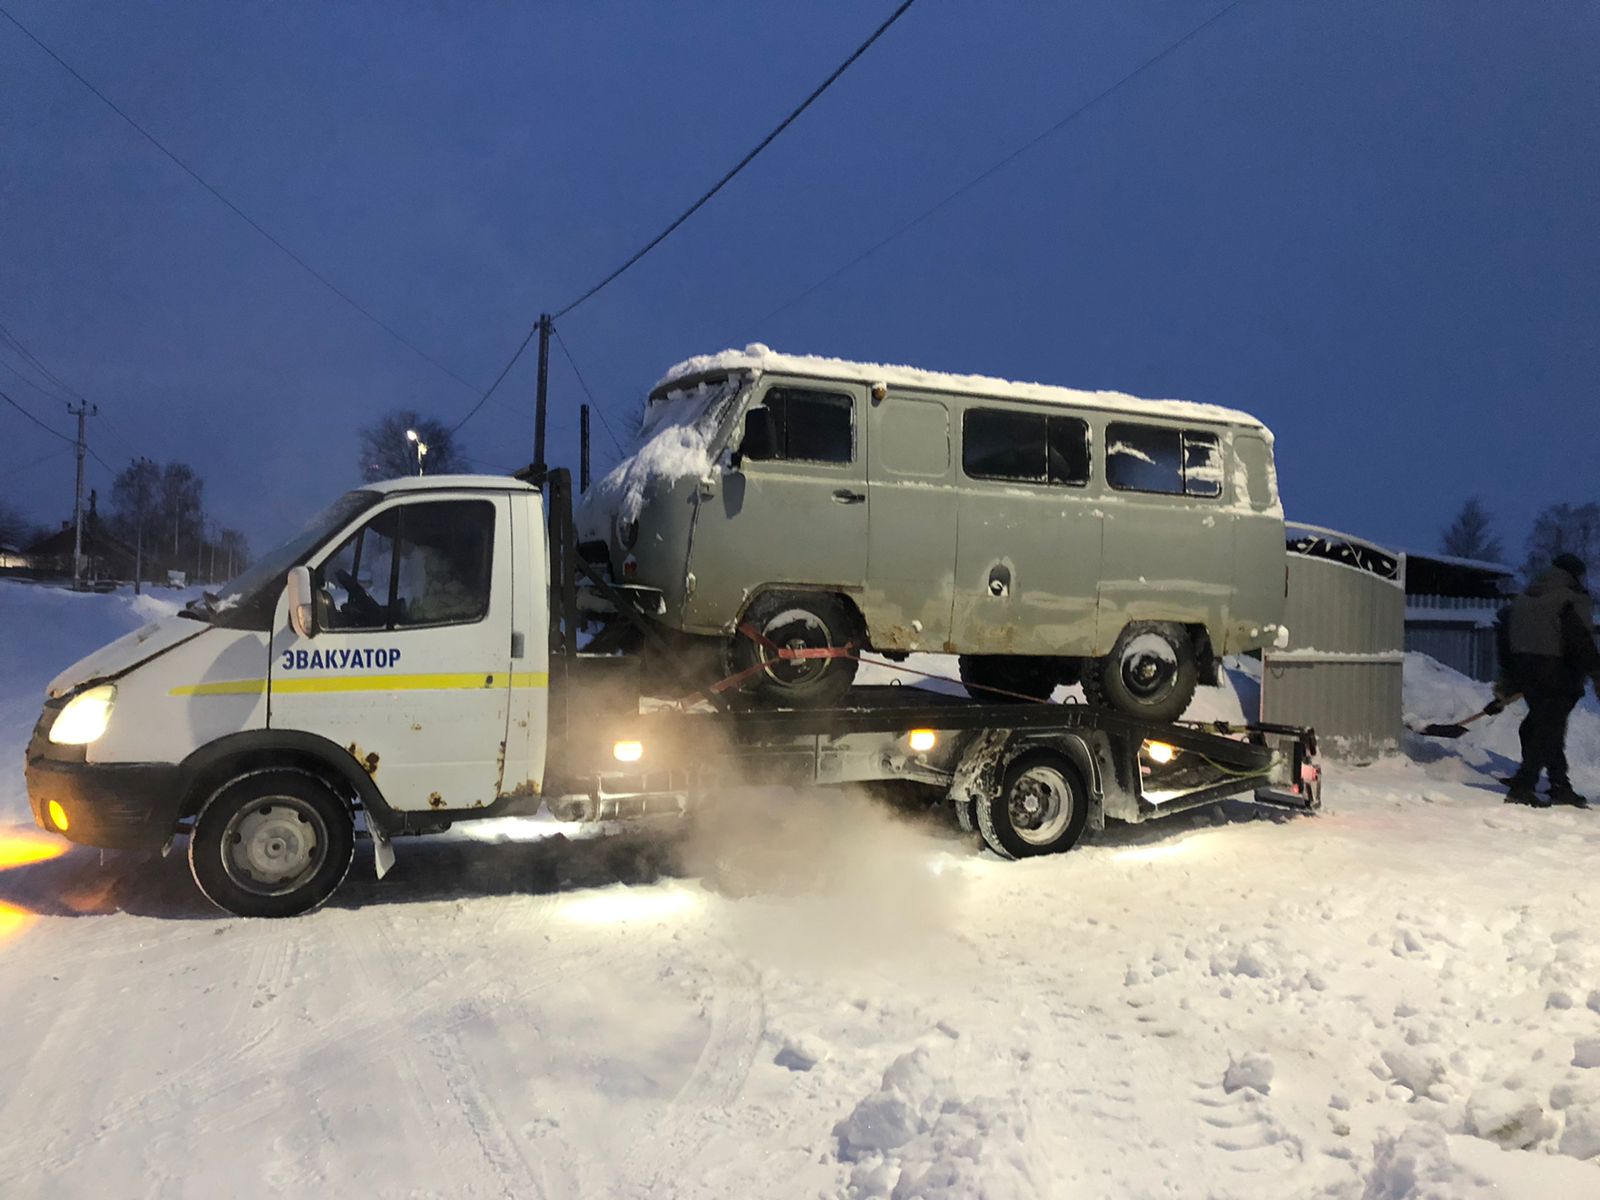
x: 699, y: 406
x: 247, y: 602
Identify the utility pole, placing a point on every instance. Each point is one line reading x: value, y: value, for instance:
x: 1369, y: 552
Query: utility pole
x: 542, y: 392
x: 139, y: 471
x: 83, y: 410
x: 583, y: 448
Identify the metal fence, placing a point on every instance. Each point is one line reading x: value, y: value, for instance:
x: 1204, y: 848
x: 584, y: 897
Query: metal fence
x: 1341, y: 672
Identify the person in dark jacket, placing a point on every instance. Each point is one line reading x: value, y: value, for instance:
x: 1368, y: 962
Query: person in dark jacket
x: 1550, y: 636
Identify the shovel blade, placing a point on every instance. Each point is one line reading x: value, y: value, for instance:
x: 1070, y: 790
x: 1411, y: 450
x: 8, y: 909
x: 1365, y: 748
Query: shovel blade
x: 1443, y: 731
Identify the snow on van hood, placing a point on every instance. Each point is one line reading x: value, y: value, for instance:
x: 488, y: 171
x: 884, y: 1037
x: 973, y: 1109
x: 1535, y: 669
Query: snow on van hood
x: 127, y: 652
x: 675, y: 442
x: 757, y: 357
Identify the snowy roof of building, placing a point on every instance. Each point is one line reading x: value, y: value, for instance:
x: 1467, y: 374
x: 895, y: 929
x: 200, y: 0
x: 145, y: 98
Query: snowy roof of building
x: 1471, y: 564
x: 759, y: 358
x: 434, y: 483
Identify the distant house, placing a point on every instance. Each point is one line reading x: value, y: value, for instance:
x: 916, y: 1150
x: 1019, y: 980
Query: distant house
x: 104, y: 556
x: 12, y: 558
x: 1450, y: 609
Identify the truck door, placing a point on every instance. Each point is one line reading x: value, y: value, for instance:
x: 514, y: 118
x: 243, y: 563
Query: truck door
x: 408, y: 666
x: 796, y: 517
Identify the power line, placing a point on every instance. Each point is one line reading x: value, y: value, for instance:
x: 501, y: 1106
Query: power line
x: 239, y: 212
x: 498, y: 379
x: 1001, y: 164
x: 593, y: 403
x: 29, y: 358
x: 52, y: 432
x: 38, y: 462
x: 743, y: 162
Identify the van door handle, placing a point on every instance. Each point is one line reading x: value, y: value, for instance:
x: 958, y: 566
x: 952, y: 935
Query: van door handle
x: 846, y: 496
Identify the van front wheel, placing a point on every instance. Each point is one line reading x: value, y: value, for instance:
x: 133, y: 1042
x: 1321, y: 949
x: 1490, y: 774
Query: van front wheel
x: 796, y: 621
x: 1151, y: 672
x: 272, y: 843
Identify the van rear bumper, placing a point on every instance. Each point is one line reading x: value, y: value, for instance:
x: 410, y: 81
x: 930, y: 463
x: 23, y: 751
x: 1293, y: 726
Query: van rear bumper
x: 121, y: 806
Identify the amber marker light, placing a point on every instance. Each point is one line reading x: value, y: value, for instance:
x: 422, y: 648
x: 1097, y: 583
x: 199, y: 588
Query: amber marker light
x: 1160, y: 752
x: 922, y: 740
x: 58, y: 816
x: 628, y: 752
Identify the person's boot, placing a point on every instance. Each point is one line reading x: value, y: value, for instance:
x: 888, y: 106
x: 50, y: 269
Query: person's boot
x: 1562, y: 793
x: 1520, y: 791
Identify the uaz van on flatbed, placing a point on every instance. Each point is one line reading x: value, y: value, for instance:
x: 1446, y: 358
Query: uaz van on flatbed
x: 1044, y: 535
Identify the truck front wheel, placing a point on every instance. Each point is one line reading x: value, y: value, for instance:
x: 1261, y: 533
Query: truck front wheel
x: 272, y: 843
x: 1040, y: 808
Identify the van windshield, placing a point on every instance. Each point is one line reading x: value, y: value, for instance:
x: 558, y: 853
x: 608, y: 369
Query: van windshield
x: 247, y: 602
x: 699, y: 406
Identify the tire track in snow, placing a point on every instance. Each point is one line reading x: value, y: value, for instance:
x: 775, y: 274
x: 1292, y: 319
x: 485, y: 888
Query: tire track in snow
x: 719, y: 1074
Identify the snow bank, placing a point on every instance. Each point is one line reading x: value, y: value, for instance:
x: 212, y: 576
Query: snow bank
x: 757, y: 357
x: 1436, y: 693
x: 916, y: 1138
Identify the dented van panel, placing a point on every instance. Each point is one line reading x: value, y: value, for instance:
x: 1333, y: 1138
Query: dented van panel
x: 928, y: 510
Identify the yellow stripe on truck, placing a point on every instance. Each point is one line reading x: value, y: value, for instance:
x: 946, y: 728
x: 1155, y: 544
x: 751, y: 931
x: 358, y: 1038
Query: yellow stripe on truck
x: 435, y: 682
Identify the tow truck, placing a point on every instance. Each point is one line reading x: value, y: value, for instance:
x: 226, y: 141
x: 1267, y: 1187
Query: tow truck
x: 417, y: 656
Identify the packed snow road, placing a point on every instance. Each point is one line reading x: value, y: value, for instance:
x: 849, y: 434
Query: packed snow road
x: 816, y: 996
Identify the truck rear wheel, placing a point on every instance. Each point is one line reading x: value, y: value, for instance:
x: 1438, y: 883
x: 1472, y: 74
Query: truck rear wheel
x: 1150, y: 673
x: 273, y: 843
x: 796, y: 621
x: 1040, y: 808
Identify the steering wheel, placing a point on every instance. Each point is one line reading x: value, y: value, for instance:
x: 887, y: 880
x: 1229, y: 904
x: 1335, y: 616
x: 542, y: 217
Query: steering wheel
x: 360, y: 603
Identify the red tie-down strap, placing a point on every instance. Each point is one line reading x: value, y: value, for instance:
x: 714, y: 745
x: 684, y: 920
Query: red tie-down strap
x: 848, y: 650
x: 783, y: 653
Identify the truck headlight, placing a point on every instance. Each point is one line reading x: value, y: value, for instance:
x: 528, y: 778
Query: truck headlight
x: 85, y: 717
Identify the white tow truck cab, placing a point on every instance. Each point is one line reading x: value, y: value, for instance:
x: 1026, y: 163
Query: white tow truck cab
x: 412, y: 657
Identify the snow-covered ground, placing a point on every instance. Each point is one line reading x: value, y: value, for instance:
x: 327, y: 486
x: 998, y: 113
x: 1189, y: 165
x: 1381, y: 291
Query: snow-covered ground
x: 819, y: 997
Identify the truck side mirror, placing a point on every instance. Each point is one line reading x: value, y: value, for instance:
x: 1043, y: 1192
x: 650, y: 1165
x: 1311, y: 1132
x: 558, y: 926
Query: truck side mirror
x: 760, y: 436
x: 297, y: 592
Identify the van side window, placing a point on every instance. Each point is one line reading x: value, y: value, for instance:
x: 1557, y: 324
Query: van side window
x: 812, y: 426
x: 1170, y: 462
x: 1028, y: 447
x: 416, y: 564
x: 1202, y: 464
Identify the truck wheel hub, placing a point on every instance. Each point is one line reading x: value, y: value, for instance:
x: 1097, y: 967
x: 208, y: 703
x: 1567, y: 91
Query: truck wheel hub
x: 273, y: 846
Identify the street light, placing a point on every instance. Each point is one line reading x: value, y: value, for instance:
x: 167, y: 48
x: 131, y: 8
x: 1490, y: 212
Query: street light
x: 422, y: 447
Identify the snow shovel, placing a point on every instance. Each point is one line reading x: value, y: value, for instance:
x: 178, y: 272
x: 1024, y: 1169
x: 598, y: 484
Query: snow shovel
x: 1454, y: 731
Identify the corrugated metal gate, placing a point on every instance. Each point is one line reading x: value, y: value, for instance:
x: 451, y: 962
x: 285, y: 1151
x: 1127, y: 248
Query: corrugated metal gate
x: 1341, y: 671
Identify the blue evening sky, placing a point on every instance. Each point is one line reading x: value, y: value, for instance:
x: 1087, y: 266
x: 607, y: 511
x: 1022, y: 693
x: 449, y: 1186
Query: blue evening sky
x: 1375, y: 225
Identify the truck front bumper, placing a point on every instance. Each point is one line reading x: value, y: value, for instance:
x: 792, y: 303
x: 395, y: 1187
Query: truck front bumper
x: 116, y: 806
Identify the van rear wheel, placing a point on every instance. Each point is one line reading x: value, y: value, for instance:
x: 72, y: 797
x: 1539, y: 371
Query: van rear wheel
x: 1150, y: 673
x: 796, y: 621
x: 273, y: 843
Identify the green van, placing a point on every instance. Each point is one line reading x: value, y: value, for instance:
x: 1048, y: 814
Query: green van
x: 1044, y: 535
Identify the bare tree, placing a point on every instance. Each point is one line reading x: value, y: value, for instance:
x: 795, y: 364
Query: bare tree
x: 1563, y: 529
x: 388, y: 450
x: 1468, y: 535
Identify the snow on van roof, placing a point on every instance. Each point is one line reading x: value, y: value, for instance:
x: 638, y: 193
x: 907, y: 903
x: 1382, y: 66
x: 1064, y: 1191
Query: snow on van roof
x: 757, y: 357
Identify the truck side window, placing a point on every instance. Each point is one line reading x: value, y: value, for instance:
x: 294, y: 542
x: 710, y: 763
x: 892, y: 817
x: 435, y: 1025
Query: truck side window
x: 443, y: 573
x: 352, y: 584
x: 1027, y: 447
x: 812, y: 426
x: 416, y: 564
x: 1144, y: 458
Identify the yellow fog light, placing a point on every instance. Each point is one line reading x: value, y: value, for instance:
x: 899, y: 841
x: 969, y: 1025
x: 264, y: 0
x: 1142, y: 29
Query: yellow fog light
x: 58, y: 815
x: 922, y: 740
x: 85, y: 717
x: 628, y: 751
x: 1160, y: 752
